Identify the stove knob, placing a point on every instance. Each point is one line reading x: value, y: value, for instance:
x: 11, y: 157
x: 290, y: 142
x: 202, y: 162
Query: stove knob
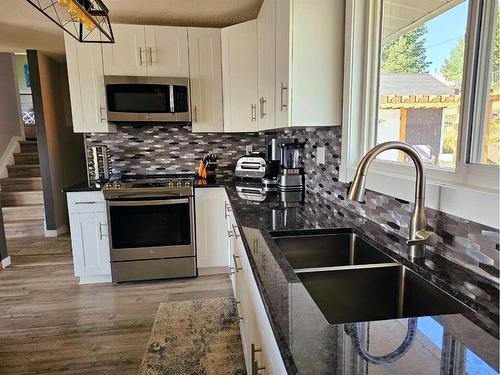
x: 178, y: 183
x: 187, y: 183
x: 170, y: 184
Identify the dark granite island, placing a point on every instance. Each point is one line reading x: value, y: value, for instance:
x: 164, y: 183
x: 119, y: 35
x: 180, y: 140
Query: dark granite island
x: 309, y: 344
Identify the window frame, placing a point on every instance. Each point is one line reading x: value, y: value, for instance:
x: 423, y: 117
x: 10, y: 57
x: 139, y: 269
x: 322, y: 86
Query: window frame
x: 446, y: 188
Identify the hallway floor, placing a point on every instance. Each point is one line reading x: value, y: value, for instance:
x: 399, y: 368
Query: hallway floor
x: 51, y: 324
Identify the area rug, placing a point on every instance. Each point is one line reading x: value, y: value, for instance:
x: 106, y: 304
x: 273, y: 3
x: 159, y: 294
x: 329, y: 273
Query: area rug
x: 195, y: 337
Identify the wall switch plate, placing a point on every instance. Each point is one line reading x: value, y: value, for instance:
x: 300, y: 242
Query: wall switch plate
x: 248, y: 149
x: 320, y: 155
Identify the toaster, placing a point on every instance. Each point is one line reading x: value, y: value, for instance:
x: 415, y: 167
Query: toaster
x: 253, y: 167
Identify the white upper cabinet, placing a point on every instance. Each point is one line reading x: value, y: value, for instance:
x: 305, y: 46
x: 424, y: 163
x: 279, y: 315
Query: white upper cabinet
x: 282, y: 62
x: 266, y: 30
x: 159, y: 51
x: 167, y: 51
x: 205, y: 70
x: 309, y: 69
x: 239, y: 77
x: 128, y: 55
x: 86, y: 86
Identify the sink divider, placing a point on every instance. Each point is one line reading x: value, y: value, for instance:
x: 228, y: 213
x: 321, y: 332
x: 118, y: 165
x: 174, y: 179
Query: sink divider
x: 349, y: 267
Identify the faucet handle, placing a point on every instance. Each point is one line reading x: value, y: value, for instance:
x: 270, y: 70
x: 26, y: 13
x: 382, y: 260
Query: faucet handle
x: 426, y: 237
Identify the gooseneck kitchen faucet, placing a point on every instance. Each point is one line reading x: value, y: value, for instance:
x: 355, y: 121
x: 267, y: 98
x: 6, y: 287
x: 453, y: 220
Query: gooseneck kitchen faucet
x: 419, y: 236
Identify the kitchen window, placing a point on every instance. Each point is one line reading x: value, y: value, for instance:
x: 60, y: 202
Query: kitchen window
x: 420, y: 80
x: 426, y: 73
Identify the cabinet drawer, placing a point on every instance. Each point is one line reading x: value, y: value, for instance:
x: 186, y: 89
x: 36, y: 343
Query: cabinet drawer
x: 83, y: 202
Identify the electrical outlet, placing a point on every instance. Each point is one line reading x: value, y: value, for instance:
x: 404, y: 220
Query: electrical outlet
x: 320, y: 155
x: 249, y: 149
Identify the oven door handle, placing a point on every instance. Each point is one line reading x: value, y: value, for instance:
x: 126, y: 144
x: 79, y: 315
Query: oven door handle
x: 147, y: 203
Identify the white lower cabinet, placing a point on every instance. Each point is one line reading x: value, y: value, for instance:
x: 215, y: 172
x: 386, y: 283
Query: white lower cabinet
x: 262, y: 355
x: 211, y: 230
x: 89, y: 237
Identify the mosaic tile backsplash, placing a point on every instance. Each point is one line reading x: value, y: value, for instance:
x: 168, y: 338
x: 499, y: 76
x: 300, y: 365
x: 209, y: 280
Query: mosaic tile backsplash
x: 170, y: 149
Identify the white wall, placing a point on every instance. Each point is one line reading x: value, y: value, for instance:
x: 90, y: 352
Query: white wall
x: 10, y: 120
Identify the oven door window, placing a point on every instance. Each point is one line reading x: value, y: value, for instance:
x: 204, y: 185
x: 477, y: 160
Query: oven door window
x: 138, y: 98
x: 155, y: 225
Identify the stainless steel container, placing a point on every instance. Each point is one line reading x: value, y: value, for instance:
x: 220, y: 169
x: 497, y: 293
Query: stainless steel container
x: 99, y: 164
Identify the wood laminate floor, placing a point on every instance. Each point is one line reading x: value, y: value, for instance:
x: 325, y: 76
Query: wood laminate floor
x: 49, y: 324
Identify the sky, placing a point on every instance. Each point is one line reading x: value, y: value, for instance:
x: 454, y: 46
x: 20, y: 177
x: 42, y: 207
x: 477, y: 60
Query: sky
x: 443, y: 33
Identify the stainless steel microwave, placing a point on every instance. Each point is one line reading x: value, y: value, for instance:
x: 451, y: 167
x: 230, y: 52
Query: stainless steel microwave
x: 144, y: 99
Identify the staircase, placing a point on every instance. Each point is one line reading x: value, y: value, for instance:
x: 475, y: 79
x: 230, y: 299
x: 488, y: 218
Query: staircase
x: 22, y: 196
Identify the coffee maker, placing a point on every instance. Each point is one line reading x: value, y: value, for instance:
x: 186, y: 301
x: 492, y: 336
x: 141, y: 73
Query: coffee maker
x: 270, y: 180
x: 291, y: 176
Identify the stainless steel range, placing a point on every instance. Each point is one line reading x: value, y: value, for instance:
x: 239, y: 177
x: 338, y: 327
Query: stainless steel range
x: 152, y: 229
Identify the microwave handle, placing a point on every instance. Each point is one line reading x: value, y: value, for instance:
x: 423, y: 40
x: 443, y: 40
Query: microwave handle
x: 172, y: 98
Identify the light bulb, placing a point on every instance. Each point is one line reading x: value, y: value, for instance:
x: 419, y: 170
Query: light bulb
x: 63, y: 3
x: 89, y: 25
x: 73, y: 10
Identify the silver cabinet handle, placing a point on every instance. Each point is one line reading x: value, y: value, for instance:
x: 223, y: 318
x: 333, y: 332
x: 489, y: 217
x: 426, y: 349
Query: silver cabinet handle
x: 140, y: 56
x: 262, y: 103
x: 85, y: 202
x: 238, y: 303
x: 195, y: 110
x: 284, y: 103
x: 235, y: 232
x: 255, y: 363
x: 100, y: 232
x: 103, y: 118
x: 253, y: 112
x: 236, y: 268
x: 150, y: 50
x: 229, y: 233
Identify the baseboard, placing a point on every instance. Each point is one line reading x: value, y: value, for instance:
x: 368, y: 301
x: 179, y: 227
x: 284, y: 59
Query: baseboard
x: 57, y: 232
x: 5, y: 262
x: 204, y: 271
x: 97, y: 279
x: 7, y: 158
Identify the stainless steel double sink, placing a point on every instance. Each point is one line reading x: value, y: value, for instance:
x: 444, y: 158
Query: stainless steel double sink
x: 352, y: 281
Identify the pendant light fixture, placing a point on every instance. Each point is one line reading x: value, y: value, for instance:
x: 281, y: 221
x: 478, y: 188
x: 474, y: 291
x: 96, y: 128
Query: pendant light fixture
x: 86, y: 20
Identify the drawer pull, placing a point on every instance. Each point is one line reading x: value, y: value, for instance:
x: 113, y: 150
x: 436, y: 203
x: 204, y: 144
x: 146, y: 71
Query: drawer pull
x: 255, y: 363
x: 229, y: 233
x: 235, y: 232
x: 85, y: 202
x: 238, y: 303
x: 236, y: 268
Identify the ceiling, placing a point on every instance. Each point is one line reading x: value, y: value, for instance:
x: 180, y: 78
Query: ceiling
x: 23, y: 27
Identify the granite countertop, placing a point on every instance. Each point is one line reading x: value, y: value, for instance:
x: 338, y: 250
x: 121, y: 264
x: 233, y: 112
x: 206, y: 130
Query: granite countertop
x: 82, y: 186
x: 309, y: 344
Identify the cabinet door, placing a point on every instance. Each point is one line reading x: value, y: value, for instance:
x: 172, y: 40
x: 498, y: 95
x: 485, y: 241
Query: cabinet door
x: 205, y: 71
x: 282, y: 62
x: 317, y: 62
x: 266, y: 27
x: 86, y: 86
x: 211, y: 230
x: 94, y: 243
x: 239, y: 77
x: 167, y: 51
x: 128, y: 55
